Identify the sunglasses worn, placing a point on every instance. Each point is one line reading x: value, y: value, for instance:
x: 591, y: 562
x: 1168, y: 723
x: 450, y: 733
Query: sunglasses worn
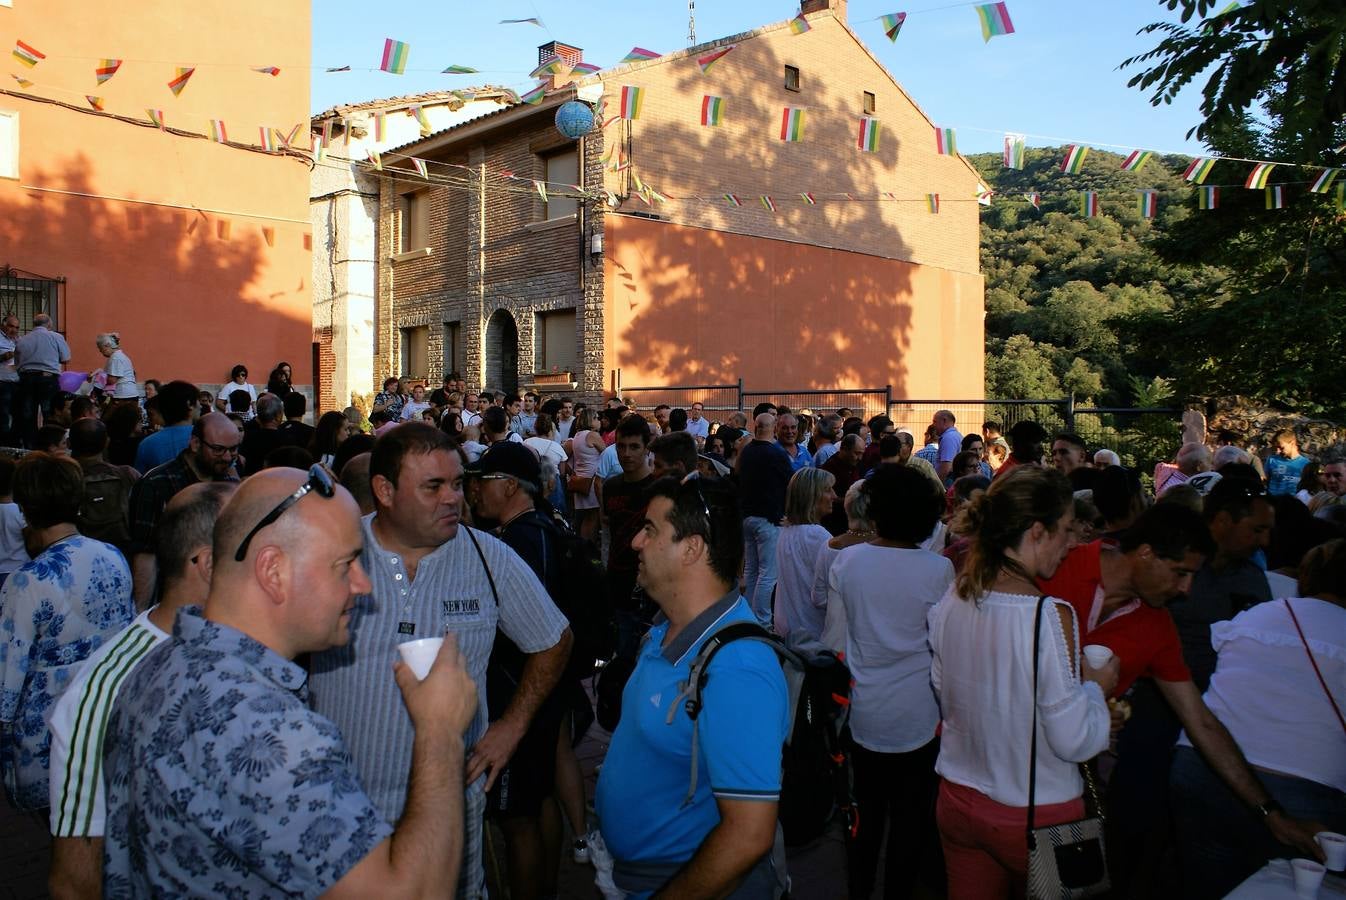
x: 694, y: 479
x: 318, y: 480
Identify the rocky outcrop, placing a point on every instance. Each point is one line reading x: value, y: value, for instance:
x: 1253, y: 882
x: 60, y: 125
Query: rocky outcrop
x: 1254, y: 425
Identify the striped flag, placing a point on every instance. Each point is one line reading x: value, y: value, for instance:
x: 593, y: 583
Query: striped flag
x: 1136, y: 160
x: 1323, y: 183
x: 293, y: 135
x: 1257, y: 178
x: 268, y: 138
x: 892, y: 24
x: 424, y: 170
x: 799, y: 24
x: 768, y: 203
x: 535, y: 96
x: 553, y: 66
x: 541, y: 188
x: 809, y: 199
x: 1035, y: 199
x: 218, y: 134
x: 733, y: 199
x: 1207, y: 197
x: 418, y: 113
x: 95, y: 102
x: 1014, y: 151
x: 537, y: 22
x: 337, y: 69
x: 106, y: 69
x: 1089, y: 204
x: 946, y: 144
x: 380, y: 123
x: 1198, y: 170
x: 994, y: 19
x: 984, y: 195
x: 273, y: 71
x: 712, y: 110
x: 710, y: 59
x: 156, y: 116
x: 633, y: 98
x: 888, y: 195
x: 327, y: 133
x: 585, y: 68
x: 269, y: 235
x: 1275, y: 197
x: 792, y: 124
x: 23, y: 82
x: 1073, y: 163
x: 932, y: 202
x: 868, y: 140
x: 395, y: 55
x: 180, y: 80
x: 639, y: 54
x: 27, y: 54
x: 1149, y: 203
x: 458, y: 70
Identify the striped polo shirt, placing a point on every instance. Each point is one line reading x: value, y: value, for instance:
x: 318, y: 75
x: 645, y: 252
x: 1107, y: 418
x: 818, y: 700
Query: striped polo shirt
x: 78, y: 722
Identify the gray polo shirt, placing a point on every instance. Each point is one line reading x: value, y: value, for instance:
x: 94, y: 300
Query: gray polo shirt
x: 42, y: 350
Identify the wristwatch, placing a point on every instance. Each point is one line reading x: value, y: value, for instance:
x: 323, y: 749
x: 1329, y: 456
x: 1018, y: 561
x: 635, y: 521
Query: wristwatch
x: 1269, y: 807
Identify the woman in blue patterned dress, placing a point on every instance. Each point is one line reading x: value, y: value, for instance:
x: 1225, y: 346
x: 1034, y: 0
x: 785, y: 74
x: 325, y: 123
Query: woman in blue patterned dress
x: 54, y: 611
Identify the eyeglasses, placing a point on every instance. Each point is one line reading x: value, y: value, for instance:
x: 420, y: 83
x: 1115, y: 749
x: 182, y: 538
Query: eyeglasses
x: 694, y: 479
x: 223, y: 449
x: 318, y: 480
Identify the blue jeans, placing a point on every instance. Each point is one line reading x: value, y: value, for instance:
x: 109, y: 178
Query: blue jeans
x: 759, y: 565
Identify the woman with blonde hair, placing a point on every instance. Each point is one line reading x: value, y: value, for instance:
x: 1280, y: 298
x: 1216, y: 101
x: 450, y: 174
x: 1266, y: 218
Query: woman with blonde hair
x: 583, y: 485
x: 993, y: 635
x: 808, y: 497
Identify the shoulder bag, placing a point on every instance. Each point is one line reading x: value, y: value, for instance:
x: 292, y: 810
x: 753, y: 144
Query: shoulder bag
x: 1313, y: 662
x: 1065, y: 861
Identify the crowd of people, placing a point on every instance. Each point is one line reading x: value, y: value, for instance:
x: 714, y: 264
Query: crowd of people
x: 204, y: 598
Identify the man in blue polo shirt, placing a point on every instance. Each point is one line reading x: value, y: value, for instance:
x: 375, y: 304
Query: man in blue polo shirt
x: 717, y: 842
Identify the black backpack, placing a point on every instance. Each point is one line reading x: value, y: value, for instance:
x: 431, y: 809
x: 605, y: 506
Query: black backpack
x: 103, y: 510
x: 815, y: 769
x: 581, y: 569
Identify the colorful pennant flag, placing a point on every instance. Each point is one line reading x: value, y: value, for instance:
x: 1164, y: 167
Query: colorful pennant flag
x: 1073, y: 163
x: 639, y: 54
x: 380, y: 124
x: 809, y: 198
x: 1014, y: 151
x: 537, y: 22
x: 932, y: 202
x: 1341, y: 197
x: 768, y: 203
x: 106, y: 69
x: 223, y: 229
x: 268, y: 138
x: 792, y: 124
x: 338, y: 69
x: 23, y: 82
x: 418, y: 113
x: 868, y: 140
x: 95, y: 102
x: 27, y: 54
x: 984, y: 195
x: 377, y: 159
x: 1323, y: 183
x: 1136, y: 160
x: 712, y: 110
x: 710, y: 59
x: 799, y: 24
x: 892, y: 24
x: 1149, y: 203
x: 1198, y: 169
x: 293, y: 135
x: 180, y: 80
x: 157, y: 117
x: 946, y: 143
x: 995, y: 20
x: 459, y: 70
x: 218, y: 134
x: 1275, y: 197
x: 541, y: 188
x: 395, y: 55
x: 535, y: 96
x: 273, y: 71
x: 733, y: 199
x: 326, y: 133
x: 585, y: 68
x: 1089, y: 204
x: 1257, y: 178
x: 553, y: 66
x: 1035, y: 199
x: 269, y: 235
x: 633, y: 98
x: 421, y: 167
x: 1207, y: 197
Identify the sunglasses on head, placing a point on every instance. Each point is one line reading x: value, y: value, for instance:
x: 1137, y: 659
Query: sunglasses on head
x: 318, y: 480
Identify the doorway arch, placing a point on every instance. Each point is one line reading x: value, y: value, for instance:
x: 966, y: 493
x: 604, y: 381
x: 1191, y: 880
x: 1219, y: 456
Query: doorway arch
x: 502, y: 352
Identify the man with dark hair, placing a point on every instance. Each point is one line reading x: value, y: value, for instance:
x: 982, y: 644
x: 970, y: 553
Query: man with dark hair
x: 105, y: 513
x: 764, y: 472
x: 878, y: 426
x: 1285, y: 465
x: 844, y: 465
x: 697, y: 423
x: 265, y: 436
x: 763, y: 408
x: 432, y: 575
x: 1069, y: 452
x: 1025, y: 440
x: 177, y: 406
x: 623, y: 509
x: 9, y: 380
x: 295, y: 431
x: 661, y: 414
x: 825, y: 435
x: 990, y: 430
x: 82, y: 408
x: 717, y: 841
x: 495, y: 427
x: 523, y: 414
x: 674, y: 454
x: 565, y: 419
x: 677, y: 419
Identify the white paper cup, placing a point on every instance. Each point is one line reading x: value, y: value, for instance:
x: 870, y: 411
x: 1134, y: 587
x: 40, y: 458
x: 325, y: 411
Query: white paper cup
x: 420, y: 655
x: 1308, y: 877
x: 1098, y: 655
x: 1334, y: 848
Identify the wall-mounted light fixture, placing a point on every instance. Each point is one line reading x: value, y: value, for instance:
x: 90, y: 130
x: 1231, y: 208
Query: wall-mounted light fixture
x: 596, y: 244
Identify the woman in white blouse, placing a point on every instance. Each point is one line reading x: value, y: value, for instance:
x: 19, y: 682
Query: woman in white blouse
x: 121, y: 374
x: 981, y: 636
x: 808, y: 498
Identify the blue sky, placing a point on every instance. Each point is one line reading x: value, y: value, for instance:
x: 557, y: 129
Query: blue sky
x: 1055, y: 79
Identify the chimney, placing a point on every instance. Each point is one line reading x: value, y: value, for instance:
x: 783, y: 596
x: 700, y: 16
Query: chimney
x: 556, y: 50
x: 838, y: 7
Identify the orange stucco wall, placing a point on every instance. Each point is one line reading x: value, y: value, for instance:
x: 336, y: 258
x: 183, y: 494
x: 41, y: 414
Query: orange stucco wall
x: 169, y: 249
x: 687, y: 305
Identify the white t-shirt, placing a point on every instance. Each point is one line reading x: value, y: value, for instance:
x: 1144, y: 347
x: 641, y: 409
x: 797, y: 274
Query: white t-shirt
x: 888, y: 593
x: 12, y: 551
x: 546, y: 449
x: 9, y: 368
x: 797, y: 549
x: 411, y: 412
x: 119, y: 366
x: 227, y: 390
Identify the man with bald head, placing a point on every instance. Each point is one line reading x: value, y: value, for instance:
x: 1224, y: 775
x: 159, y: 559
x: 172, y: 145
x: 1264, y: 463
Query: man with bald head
x: 1192, y: 460
x: 764, y: 471
x: 221, y: 779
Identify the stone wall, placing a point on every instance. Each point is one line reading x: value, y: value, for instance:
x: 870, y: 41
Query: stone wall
x: 1255, y: 425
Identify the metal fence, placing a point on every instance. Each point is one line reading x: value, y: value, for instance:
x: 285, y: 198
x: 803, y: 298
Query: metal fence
x: 718, y: 400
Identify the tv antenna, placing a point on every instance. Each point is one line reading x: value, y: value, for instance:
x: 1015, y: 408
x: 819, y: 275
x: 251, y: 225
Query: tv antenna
x: 691, y: 23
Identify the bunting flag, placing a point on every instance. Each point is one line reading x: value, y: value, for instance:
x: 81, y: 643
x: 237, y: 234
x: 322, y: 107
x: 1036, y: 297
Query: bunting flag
x: 984, y: 195
x: 946, y: 144
x: 23, y: 82
x: 327, y: 133
x: 1035, y: 199
x: 1149, y: 203
x: 799, y: 24
x: 1073, y: 163
x: 710, y: 59
x: 95, y: 102
x: 218, y: 134
x: 932, y: 202
x: 638, y: 54
x: 1197, y: 171
x: 633, y: 98
x: 1136, y: 160
x: 1089, y: 204
x: 268, y: 138
x: 459, y: 70
x: 418, y: 113
x: 106, y: 69
x: 768, y: 203
x: 380, y: 123
x: 180, y: 80
x: 1207, y: 197
x: 273, y: 71
x: 1341, y: 197
x: 995, y: 20
x: 892, y: 24
x: 421, y: 167
x: 888, y: 195
x: 535, y: 96
x: 27, y: 54
x: 553, y: 66
x: 541, y: 188
x: 223, y: 229
x: 733, y: 199
x: 157, y: 117
x: 537, y: 22
x: 792, y: 124
x: 712, y: 110
x: 293, y: 135
x: 338, y: 69
x: 395, y: 55
x: 1275, y: 197
x: 1014, y: 151
x: 1257, y: 178
x: 868, y: 140
x: 377, y: 160
x: 269, y: 235
x: 585, y: 68
x: 809, y: 199
x: 1323, y: 183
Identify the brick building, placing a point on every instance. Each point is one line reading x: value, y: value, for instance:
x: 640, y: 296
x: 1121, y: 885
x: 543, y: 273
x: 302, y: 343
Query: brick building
x: 479, y: 273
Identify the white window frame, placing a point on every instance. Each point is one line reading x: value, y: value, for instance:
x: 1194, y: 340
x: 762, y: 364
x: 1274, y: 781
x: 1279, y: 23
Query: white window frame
x: 9, y: 156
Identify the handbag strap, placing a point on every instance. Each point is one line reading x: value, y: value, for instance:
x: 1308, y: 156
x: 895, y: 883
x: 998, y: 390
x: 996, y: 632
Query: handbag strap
x: 495, y: 595
x: 1033, y: 741
x: 1313, y: 662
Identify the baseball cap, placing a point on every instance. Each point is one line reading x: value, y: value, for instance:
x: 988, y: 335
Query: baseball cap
x: 509, y: 458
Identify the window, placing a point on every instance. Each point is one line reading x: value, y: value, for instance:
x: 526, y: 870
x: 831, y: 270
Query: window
x: 561, y: 169
x: 792, y: 78
x: 556, y: 341
x: 869, y: 103
x: 415, y: 352
x: 9, y: 143
x: 24, y: 294
x: 453, y: 348
x: 414, y: 221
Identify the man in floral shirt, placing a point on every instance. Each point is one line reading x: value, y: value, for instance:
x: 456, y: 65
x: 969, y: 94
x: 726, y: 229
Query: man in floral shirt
x: 220, y: 779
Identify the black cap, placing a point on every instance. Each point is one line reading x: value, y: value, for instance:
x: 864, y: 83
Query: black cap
x: 509, y: 458
x: 1027, y: 432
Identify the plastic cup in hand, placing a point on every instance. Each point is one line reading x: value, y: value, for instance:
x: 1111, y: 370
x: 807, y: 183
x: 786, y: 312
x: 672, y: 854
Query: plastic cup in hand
x: 420, y: 655
x: 1098, y: 655
x: 1334, y: 848
x: 1308, y: 877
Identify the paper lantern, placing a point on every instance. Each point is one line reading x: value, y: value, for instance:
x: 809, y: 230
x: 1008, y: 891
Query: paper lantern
x: 574, y: 119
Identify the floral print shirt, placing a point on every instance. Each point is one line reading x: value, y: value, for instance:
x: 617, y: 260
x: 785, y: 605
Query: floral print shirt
x: 392, y: 403
x: 54, y: 611
x: 222, y: 782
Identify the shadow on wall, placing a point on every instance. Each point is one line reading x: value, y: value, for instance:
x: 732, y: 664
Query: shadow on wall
x: 706, y: 306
